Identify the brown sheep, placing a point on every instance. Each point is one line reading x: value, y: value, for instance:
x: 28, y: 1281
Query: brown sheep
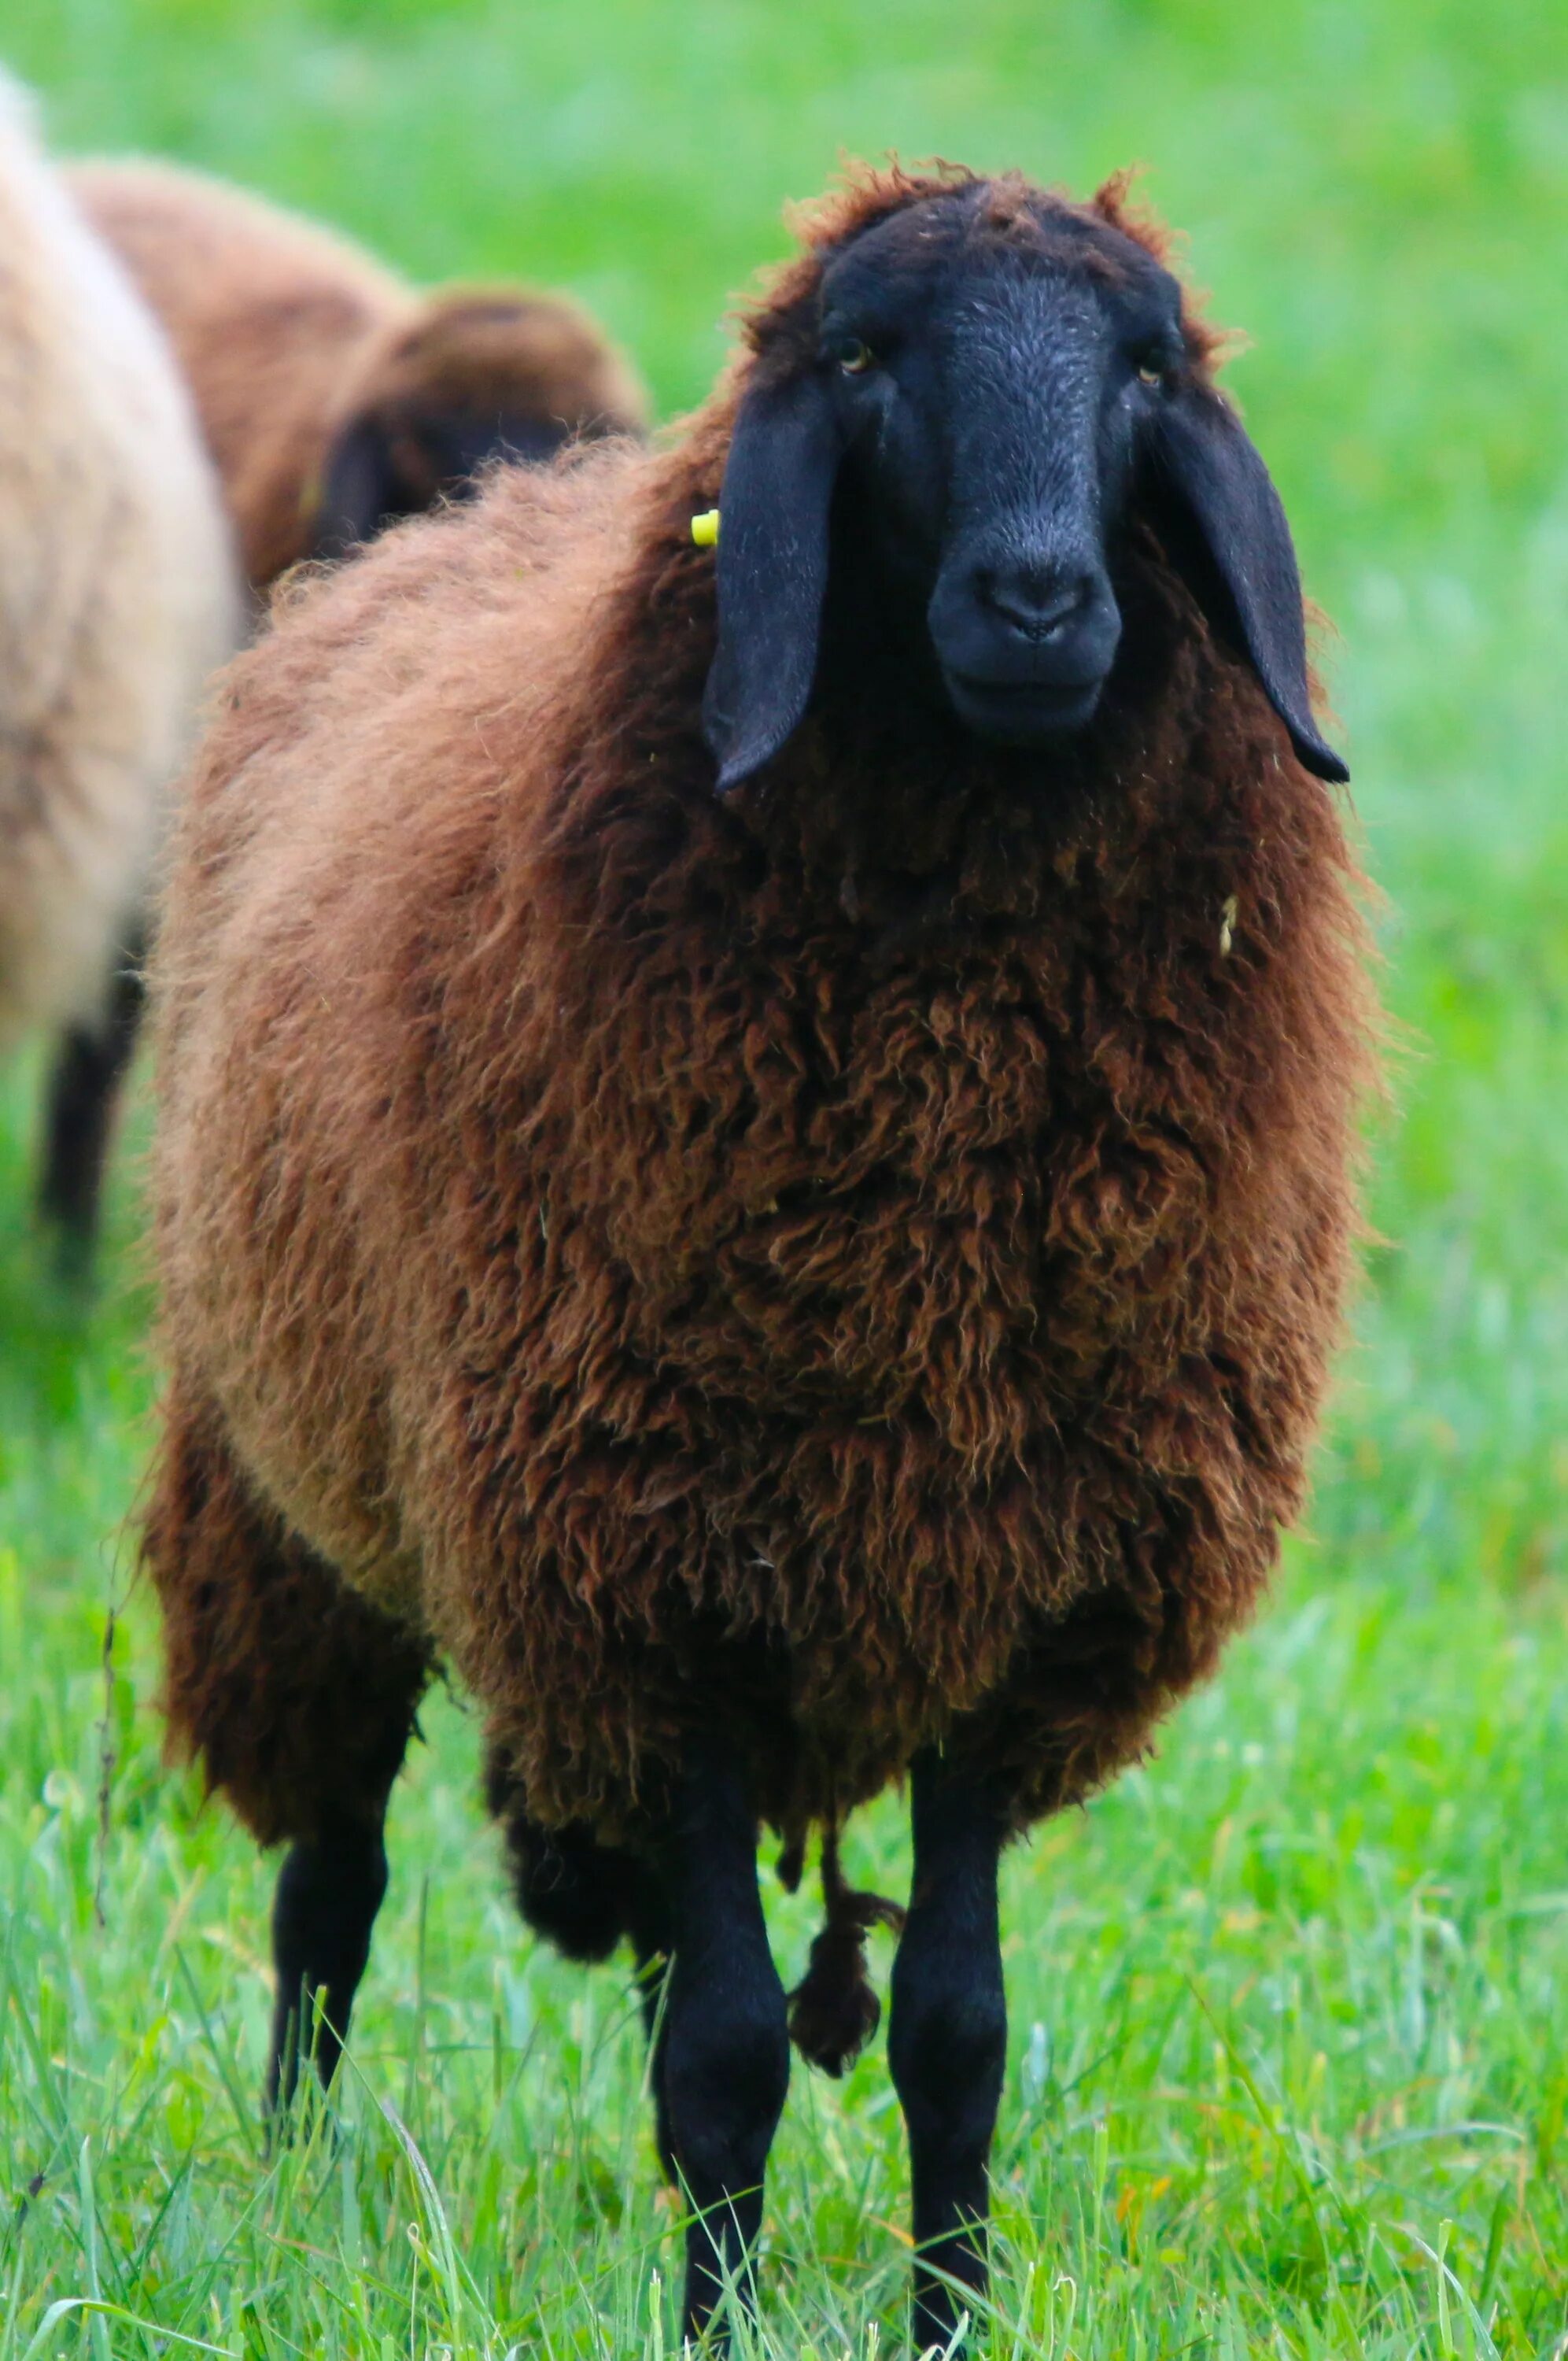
x: 333, y: 396
x: 790, y: 1270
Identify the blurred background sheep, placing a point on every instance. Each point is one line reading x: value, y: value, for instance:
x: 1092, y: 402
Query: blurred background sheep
x: 117, y: 598
x: 335, y: 399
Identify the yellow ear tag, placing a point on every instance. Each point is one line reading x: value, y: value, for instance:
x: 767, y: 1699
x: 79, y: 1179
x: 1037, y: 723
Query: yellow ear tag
x: 705, y: 528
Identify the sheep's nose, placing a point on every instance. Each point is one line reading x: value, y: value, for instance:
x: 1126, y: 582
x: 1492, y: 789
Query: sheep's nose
x: 1039, y: 601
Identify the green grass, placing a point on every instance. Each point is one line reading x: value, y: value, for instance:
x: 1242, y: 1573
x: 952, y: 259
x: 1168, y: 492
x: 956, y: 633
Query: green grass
x: 1284, y: 2004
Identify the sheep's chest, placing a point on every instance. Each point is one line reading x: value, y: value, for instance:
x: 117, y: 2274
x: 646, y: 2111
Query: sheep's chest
x: 954, y: 1325
x: 911, y: 1268
x: 935, y: 1200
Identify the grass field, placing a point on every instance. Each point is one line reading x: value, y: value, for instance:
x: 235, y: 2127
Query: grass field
x: 1287, y: 2073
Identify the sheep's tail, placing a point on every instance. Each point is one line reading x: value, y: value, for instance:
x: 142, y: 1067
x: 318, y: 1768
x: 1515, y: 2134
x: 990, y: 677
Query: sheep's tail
x: 833, y: 2011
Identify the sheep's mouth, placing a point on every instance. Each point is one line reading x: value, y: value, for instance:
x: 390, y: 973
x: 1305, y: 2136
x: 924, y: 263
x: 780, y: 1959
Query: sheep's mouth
x: 1022, y: 712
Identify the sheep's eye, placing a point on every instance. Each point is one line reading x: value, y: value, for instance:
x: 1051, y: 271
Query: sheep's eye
x: 854, y: 355
x: 1152, y: 371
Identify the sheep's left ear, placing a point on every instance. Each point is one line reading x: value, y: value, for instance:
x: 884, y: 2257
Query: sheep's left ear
x: 773, y: 572
x: 378, y: 472
x: 1204, y: 454
x: 363, y: 489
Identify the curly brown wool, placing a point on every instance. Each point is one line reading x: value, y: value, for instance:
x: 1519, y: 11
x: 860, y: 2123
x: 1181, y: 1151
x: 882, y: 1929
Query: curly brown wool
x: 297, y: 1694
x: 831, y: 1278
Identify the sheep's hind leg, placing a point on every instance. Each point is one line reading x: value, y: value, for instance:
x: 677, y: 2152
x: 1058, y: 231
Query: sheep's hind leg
x: 329, y: 1889
x: 298, y: 1698
x: 947, y: 2034
x: 724, y: 2065
x: 334, y: 1874
x: 79, y: 1112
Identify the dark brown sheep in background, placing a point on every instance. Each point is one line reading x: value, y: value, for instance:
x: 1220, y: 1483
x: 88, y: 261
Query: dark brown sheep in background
x: 790, y: 1271
x: 333, y: 397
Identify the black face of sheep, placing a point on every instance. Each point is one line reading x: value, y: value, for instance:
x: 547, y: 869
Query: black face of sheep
x: 964, y: 440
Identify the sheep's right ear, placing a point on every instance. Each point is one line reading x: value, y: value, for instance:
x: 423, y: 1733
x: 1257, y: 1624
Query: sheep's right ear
x: 773, y: 572
x: 362, y: 489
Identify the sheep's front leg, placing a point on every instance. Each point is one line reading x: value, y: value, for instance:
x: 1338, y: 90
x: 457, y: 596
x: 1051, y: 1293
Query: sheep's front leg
x: 947, y: 2034
x: 723, y: 2057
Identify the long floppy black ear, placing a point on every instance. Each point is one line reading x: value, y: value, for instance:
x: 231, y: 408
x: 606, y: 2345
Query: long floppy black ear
x: 363, y: 489
x: 378, y: 472
x: 773, y: 572
x: 1206, y: 458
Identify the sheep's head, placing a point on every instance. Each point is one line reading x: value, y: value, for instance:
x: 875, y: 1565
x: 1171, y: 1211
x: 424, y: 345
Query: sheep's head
x: 479, y: 375
x: 955, y: 402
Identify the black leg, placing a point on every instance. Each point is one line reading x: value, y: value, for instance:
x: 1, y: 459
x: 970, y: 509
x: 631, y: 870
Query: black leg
x: 947, y: 2035
x: 725, y: 2066
x: 329, y: 1891
x: 79, y: 1113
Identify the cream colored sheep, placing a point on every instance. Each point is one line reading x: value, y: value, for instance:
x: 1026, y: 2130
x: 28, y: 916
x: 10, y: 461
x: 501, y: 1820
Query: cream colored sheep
x: 119, y: 596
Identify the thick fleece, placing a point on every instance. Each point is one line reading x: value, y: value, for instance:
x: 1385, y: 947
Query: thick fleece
x: 286, y: 333
x: 118, y: 593
x: 848, y: 1267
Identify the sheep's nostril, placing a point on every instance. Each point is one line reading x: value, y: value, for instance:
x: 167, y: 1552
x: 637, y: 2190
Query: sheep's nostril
x: 1036, y: 603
